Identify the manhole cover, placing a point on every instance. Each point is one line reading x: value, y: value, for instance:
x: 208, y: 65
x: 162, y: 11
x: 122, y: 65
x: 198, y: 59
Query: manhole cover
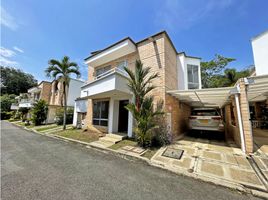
x: 173, y: 153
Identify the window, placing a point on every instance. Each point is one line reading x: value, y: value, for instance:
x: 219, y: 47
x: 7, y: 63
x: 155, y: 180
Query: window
x: 101, y: 71
x: 100, y: 113
x: 193, y: 78
x: 122, y: 64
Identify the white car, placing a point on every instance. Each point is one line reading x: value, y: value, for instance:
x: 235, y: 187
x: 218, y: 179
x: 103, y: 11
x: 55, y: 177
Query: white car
x: 207, y: 119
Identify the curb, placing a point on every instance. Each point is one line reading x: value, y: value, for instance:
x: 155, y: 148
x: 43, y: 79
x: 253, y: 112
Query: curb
x: 223, y: 183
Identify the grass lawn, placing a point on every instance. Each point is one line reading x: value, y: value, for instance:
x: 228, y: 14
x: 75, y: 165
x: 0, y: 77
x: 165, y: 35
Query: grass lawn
x: 46, y: 127
x: 79, y: 134
x: 123, y: 143
x: 149, y: 153
x: 23, y: 124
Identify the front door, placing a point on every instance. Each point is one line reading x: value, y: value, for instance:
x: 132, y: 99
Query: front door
x: 123, y: 117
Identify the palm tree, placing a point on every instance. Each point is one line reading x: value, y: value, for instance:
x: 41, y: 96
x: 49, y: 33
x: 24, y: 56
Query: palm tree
x: 231, y: 76
x: 139, y: 83
x: 61, y: 71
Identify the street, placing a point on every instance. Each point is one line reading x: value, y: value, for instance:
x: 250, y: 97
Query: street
x: 38, y: 167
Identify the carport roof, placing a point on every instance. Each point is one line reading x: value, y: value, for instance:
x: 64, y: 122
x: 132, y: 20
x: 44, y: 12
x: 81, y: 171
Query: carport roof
x: 211, y: 97
x: 258, y: 90
x: 218, y: 97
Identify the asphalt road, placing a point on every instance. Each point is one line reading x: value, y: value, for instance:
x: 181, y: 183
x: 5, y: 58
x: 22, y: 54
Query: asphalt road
x: 38, y: 167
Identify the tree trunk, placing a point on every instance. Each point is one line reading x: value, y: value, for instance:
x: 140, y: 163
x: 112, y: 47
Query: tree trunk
x: 65, y: 106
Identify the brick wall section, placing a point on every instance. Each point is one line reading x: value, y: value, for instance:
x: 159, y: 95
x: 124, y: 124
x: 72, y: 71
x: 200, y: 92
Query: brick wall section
x: 45, y: 91
x: 151, y: 54
x: 244, y: 106
x: 57, y: 97
x: 179, y: 115
x: 232, y: 131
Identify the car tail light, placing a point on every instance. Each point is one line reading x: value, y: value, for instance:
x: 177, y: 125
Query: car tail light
x: 192, y: 117
x: 216, y: 118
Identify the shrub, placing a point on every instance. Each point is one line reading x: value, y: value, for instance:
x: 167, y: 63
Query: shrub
x: 69, y: 116
x: 5, y: 115
x: 39, y: 112
x: 23, y: 113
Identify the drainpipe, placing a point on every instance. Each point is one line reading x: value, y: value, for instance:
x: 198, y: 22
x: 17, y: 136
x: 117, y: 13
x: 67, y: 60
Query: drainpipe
x: 242, y: 138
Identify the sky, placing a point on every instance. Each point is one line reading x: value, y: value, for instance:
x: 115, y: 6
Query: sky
x: 32, y: 32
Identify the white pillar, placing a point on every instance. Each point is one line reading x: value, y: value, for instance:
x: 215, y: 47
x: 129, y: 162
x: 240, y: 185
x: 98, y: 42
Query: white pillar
x: 130, y: 122
x: 242, y: 138
x: 110, y: 116
x: 75, y: 115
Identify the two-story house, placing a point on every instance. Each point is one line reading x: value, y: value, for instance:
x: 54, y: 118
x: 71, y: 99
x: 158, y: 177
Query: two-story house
x: 101, y: 105
x: 52, y: 93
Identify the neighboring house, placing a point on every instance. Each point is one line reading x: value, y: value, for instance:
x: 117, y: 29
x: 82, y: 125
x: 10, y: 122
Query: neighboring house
x: 101, y: 105
x: 52, y: 93
x: 260, y: 53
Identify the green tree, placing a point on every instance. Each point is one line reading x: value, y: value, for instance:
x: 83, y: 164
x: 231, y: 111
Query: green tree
x: 15, y: 81
x: 142, y: 109
x: 6, y: 101
x: 39, y: 112
x: 61, y: 71
x: 211, y: 70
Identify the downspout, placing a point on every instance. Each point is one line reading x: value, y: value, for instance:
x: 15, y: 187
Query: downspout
x: 242, y: 138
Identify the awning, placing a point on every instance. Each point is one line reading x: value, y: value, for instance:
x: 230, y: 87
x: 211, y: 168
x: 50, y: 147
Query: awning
x: 212, y: 97
x: 258, y: 89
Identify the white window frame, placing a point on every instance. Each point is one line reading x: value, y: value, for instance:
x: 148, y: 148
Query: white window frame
x: 100, y: 118
x: 122, y: 64
x: 195, y: 82
x: 105, y: 69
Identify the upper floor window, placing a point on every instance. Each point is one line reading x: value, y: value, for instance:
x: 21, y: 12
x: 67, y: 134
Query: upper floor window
x: 122, y: 64
x: 193, y: 78
x: 101, y: 71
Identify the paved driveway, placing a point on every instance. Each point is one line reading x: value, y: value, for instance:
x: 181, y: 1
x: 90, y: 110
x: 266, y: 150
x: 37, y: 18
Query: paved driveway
x: 217, y: 160
x: 38, y: 167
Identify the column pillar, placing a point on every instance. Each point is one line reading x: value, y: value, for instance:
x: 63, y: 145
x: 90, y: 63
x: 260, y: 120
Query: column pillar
x: 245, y: 114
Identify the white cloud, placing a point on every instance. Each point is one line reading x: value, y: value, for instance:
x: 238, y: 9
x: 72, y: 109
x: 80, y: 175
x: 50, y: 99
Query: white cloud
x: 6, y: 57
x: 6, y: 52
x: 184, y: 14
x: 18, y: 49
x: 7, y: 62
x: 8, y: 20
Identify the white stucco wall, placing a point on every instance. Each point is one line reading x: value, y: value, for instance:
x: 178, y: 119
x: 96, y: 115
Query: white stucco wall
x: 74, y: 91
x: 107, y: 83
x: 260, y: 53
x: 182, y: 62
x: 80, y: 106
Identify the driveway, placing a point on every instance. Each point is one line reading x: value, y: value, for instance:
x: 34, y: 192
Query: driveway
x: 37, y: 167
x: 218, y: 160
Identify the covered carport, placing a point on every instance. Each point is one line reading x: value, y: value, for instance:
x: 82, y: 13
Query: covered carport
x: 258, y: 102
x: 234, y: 102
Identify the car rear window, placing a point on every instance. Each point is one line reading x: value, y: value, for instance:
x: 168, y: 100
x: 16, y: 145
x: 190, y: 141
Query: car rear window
x: 205, y: 113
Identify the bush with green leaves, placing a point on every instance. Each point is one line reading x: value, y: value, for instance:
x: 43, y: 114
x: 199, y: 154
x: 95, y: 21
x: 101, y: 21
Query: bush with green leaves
x: 39, y: 112
x: 23, y: 113
x: 60, y: 115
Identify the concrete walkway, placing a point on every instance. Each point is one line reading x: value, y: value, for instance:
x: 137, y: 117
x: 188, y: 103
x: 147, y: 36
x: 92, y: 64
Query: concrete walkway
x: 211, y: 159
